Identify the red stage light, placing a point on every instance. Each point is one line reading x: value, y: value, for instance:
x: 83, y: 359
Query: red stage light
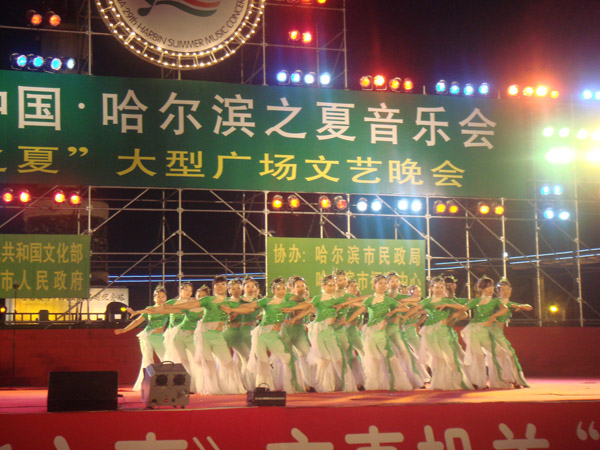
x: 324, y: 202
x: 321, y: 2
x: 395, y: 84
x: 307, y: 37
x: 277, y: 202
x: 541, y: 90
x: 379, y: 82
x: 53, y: 19
x: 366, y: 82
x: 34, y: 18
x: 59, y: 196
x: 74, y: 198
x: 498, y: 209
x: 513, y: 90
x: 452, y: 207
x: 340, y: 203
x: 8, y: 196
x: 554, y: 94
x: 24, y: 196
x: 294, y: 35
x: 407, y: 85
x: 528, y: 91
x: 439, y: 207
x: 293, y: 201
x: 483, y: 208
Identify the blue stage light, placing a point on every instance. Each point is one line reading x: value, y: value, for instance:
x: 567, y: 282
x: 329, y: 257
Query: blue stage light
x: 416, y: 206
x: 549, y: 213
x: 310, y: 78
x: 54, y: 64
x: 70, y: 63
x: 468, y: 90
x: 454, y: 88
x: 325, y: 79
x: 557, y: 189
x: 362, y: 205
x: 564, y: 215
x: 296, y: 77
x: 597, y: 95
x: 441, y: 87
x: 484, y: 89
x: 35, y: 62
x: 545, y: 190
x: 283, y: 77
x: 376, y: 205
x: 403, y: 204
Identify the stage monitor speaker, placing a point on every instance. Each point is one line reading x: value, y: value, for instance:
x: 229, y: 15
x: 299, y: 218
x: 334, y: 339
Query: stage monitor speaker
x: 166, y: 384
x: 262, y: 396
x: 83, y: 391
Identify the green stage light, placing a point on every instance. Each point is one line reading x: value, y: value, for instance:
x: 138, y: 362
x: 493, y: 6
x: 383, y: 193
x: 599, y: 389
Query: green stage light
x: 560, y: 155
x: 548, y: 132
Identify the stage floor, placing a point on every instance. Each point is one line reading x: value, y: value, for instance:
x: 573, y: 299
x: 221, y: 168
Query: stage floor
x: 33, y: 400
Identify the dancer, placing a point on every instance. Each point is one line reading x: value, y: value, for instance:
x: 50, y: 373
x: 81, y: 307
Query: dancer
x: 326, y: 353
x: 383, y: 369
x: 151, y: 337
x: 481, y: 356
x: 439, y: 346
x: 266, y: 339
x: 511, y: 368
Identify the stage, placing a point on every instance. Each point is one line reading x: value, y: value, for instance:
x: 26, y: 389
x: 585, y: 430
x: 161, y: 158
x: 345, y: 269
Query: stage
x: 560, y: 413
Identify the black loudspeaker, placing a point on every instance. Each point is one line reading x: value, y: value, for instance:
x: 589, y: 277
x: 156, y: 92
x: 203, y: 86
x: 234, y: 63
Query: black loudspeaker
x: 83, y: 391
x: 262, y: 396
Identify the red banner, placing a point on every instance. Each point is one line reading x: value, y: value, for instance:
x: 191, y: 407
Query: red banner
x: 506, y: 426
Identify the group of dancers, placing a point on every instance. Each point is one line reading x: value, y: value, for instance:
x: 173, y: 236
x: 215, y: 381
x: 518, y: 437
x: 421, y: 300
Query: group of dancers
x: 230, y: 340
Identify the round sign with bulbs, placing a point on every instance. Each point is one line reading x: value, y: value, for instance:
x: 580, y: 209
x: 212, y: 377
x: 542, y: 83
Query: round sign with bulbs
x: 182, y: 34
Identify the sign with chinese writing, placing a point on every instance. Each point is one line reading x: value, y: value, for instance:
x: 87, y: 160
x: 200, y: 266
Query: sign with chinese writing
x: 85, y: 130
x: 361, y: 259
x: 44, y: 266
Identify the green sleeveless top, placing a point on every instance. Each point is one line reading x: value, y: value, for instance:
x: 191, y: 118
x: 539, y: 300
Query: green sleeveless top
x: 378, y: 311
x: 482, y: 312
x: 437, y: 315
x: 213, y: 311
x: 175, y: 319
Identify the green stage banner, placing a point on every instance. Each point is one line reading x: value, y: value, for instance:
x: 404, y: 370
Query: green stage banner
x: 44, y: 266
x: 103, y: 131
x: 361, y: 259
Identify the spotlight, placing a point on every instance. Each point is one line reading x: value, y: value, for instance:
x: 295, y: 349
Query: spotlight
x: 498, y: 209
x: 34, y: 18
x: 59, y: 196
x: 408, y: 85
x: 528, y: 91
x: 416, y: 206
x: 541, y: 91
x: 277, y: 202
x: 296, y: 77
x: 587, y: 94
x: 24, y: 196
x: 549, y: 212
x: 324, y: 202
x: 294, y: 35
x: 545, y: 190
x: 513, y: 90
x: 376, y: 205
x: 403, y: 204
x: 283, y: 77
x: 75, y: 198
x: 564, y: 132
x: 553, y: 309
x: 439, y: 207
x: 560, y: 155
x: 321, y: 2
x: 441, y: 87
x: 8, y: 195
x: 483, y: 208
x: 310, y: 78
x: 307, y: 37
x: 293, y: 202
x: 596, y: 135
x: 593, y: 155
x: 395, y: 84
x: 582, y: 134
x: 554, y: 94
x: 18, y: 61
x: 53, y: 64
x: 53, y: 19
x: 366, y: 83
x: 452, y: 207
x: 340, y: 203
x: 379, y: 82
x: 484, y: 89
x: 468, y: 90
x: 557, y: 189
x: 597, y: 95
x: 454, y: 88
x: 325, y: 79
x: 35, y: 62
x: 362, y: 204
x: 564, y: 215
x: 548, y: 132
